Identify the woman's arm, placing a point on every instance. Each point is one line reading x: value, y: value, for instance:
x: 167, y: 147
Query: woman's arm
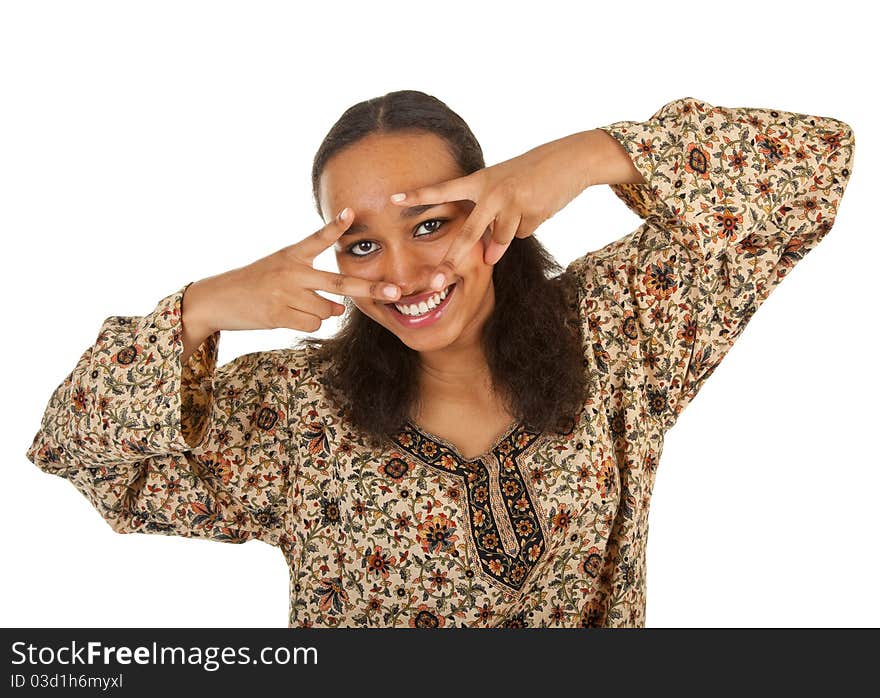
x: 603, y: 158
x: 195, y: 329
x: 160, y: 445
x: 733, y: 198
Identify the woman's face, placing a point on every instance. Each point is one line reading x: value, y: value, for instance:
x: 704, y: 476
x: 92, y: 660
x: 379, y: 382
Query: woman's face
x: 395, y: 244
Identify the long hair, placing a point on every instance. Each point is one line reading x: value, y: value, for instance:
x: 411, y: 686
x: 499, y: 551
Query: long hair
x: 531, y: 341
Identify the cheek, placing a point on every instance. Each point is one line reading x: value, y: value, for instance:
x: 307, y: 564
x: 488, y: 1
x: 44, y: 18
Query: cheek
x: 474, y: 264
x: 365, y: 306
x: 374, y: 311
x: 477, y: 276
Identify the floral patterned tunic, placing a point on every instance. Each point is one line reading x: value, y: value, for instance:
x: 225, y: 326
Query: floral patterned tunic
x: 543, y: 529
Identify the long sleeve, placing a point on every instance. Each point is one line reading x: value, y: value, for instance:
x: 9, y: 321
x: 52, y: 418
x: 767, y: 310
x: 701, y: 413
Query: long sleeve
x: 733, y: 198
x: 158, y: 447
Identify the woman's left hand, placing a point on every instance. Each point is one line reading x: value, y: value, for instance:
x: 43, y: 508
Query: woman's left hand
x: 512, y: 198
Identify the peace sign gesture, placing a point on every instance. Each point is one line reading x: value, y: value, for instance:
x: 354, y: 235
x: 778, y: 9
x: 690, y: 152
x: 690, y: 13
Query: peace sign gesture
x: 512, y: 198
x: 279, y: 290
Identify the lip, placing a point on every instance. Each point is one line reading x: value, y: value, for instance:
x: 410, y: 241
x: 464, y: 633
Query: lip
x: 423, y: 320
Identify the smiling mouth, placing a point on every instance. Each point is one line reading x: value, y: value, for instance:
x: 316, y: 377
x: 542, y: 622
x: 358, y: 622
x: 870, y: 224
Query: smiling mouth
x: 429, y: 313
x: 445, y: 291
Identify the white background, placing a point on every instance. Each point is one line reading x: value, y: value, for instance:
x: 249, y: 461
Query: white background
x: 145, y: 145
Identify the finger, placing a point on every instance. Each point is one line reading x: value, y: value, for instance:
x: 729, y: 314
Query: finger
x: 470, y: 233
x: 504, y: 231
x: 294, y: 319
x: 458, y: 189
x: 345, y: 285
x: 324, y: 238
x: 527, y: 226
x: 315, y: 304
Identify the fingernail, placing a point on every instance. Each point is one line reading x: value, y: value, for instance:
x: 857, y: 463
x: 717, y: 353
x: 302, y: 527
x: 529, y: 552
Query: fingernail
x: 343, y: 213
x: 397, y: 198
x: 390, y: 291
x: 438, y: 282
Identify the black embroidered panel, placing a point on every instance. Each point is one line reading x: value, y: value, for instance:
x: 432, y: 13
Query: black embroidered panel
x: 495, y: 472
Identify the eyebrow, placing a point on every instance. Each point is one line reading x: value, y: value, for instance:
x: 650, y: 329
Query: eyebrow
x: 409, y: 212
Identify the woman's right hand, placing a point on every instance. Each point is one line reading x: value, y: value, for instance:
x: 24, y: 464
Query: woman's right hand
x: 278, y: 290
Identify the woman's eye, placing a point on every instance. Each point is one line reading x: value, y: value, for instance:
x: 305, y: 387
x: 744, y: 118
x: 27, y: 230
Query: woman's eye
x: 357, y: 245
x: 441, y: 221
x: 357, y: 248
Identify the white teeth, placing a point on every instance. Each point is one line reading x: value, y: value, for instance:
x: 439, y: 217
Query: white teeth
x: 424, y: 306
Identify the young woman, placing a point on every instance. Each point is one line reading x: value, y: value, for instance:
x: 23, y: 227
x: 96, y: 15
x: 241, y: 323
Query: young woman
x: 476, y: 450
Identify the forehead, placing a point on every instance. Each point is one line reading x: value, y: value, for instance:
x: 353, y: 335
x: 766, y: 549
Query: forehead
x: 366, y: 173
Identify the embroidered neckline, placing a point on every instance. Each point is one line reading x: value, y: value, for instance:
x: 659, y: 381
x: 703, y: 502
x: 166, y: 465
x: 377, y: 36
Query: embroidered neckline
x: 513, y: 426
x: 506, y: 529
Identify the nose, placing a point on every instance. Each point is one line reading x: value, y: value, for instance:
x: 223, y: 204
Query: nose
x: 407, y: 269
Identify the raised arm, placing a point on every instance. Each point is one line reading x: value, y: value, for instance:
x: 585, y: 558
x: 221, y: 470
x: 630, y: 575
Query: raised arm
x: 732, y: 199
x: 177, y: 448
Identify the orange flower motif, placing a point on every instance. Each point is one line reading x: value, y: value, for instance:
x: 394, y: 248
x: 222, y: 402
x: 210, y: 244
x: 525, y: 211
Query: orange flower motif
x: 378, y: 562
x: 583, y: 472
x: 127, y: 355
x: 490, y: 541
x: 524, y: 528
x: 446, y: 461
x: 522, y: 504
x: 630, y: 327
x: 832, y: 141
x: 438, y: 579
x: 221, y: 467
x: 436, y: 533
x: 79, y: 400
x: 517, y: 572
x: 426, y: 618
x: 395, y: 469
x: 750, y: 246
x: 729, y: 223
x: 561, y: 519
x: 605, y: 477
x: 535, y: 552
x: 645, y: 148
x: 591, y: 565
x: 688, y: 332
x: 485, y: 613
x: 428, y: 449
x: 809, y: 205
x: 765, y: 188
x: 737, y: 160
x: 268, y: 416
x: 773, y: 149
x: 660, y: 280
x: 697, y: 161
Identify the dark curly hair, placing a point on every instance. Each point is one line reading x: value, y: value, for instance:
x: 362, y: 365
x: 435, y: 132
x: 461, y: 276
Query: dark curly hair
x: 531, y: 341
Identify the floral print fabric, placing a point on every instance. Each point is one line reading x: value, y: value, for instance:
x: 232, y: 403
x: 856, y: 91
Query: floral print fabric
x: 544, y: 529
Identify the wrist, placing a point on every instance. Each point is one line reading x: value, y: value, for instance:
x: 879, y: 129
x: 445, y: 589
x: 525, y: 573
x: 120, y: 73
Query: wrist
x: 195, y: 314
x: 604, y: 160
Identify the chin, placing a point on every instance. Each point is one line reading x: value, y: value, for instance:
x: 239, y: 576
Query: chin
x: 417, y: 340
x: 426, y: 344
